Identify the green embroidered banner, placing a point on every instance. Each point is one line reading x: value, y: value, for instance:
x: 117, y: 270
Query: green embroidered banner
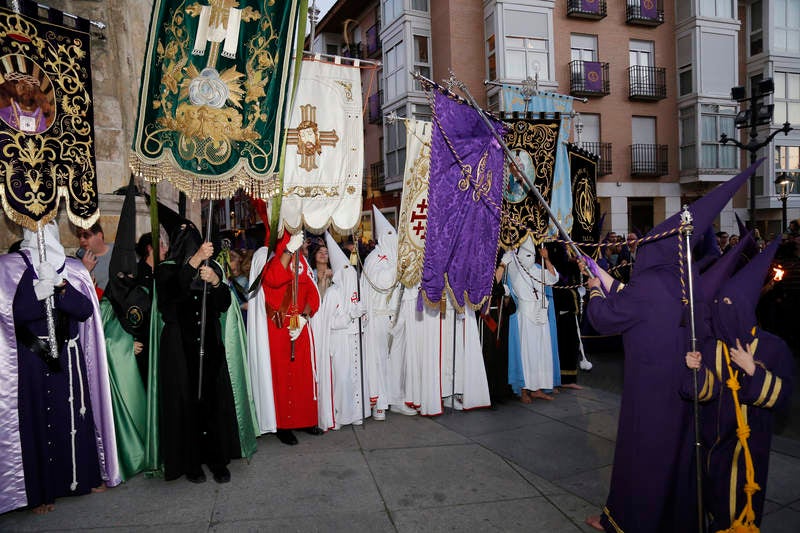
x: 46, y: 119
x: 215, y: 91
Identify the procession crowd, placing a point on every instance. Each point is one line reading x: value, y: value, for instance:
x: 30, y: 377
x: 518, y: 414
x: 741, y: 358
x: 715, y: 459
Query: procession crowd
x: 187, y: 363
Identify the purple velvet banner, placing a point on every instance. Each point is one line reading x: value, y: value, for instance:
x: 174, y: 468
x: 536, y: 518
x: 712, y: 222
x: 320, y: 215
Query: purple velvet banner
x: 593, y: 73
x: 590, y: 6
x: 649, y: 9
x: 464, y: 196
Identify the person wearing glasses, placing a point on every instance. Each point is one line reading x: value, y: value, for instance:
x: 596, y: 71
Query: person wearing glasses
x: 96, y: 255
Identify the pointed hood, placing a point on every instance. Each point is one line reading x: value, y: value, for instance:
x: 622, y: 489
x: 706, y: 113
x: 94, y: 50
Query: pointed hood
x: 382, y: 226
x: 706, y: 252
x: 720, y: 272
x: 734, y: 308
x: 54, y: 251
x: 339, y: 261
x: 526, y: 253
x: 380, y: 266
x: 663, y: 251
x: 123, y: 255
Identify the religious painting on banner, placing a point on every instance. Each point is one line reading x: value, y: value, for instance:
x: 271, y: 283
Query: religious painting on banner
x: 552, y: 105
x: 215, y: 90
x: 46, y: 118
x: 585, y: 208
x: 465, y: 195
x: 324, y: 162
x: 534, y: 143
x: 413, y: 220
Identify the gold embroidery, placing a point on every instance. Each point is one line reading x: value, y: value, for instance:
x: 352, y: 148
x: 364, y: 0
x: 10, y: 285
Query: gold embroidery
x: 348, y: 89
x: 483, y: 179
x: 308, y: 139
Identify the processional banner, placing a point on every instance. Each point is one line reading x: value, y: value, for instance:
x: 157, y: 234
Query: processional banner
x: 465, y: 195
x: 550, y: 104
x: 534, y: 143
x: 412, y: 224
x: 46, y: 118
x: 586, y: 208
x: 324, y: 167
x: 215, y: 90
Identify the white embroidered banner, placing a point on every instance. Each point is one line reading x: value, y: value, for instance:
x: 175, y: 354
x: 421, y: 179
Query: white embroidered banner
x: 324, y: 150
x: 413, y: 221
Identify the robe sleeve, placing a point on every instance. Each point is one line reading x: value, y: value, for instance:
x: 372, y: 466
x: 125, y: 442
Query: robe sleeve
x: 73, y: 303
x: 770, y: 387
x: 620, y: 310
x: 708, y: 383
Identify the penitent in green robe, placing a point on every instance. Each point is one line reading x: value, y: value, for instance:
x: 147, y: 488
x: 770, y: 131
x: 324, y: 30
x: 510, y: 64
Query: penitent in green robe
x: 136, y: 409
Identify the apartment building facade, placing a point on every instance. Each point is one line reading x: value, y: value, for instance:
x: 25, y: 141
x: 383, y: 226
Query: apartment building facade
x: 656, y: 76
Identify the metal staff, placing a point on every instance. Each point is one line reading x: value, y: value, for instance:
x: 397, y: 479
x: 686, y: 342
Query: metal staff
x: 520, y: 173
x: 203, y: 310
x: 453, y: 382
x: 293, y: 321
x: 354, y: 260
x: 686, y: 230
x: 48, y: 303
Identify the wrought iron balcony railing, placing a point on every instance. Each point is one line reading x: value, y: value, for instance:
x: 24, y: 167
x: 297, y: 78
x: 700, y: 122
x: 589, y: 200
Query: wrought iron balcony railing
x: 604, y: 167
x: 588, y: 78
x: 375, y: 108
x: 644, y: 12
x: 377, y: 175
x: 586, y: 9
x: 649, y: 160
x: 647, y: 83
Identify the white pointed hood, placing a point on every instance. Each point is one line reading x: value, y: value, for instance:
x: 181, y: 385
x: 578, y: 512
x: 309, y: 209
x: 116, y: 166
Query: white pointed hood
x: 344, y: 274
x: 526, y: 254
x: 380, y: 266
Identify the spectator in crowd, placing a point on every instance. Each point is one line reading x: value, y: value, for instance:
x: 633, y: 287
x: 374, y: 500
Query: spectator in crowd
x: 97, y: 253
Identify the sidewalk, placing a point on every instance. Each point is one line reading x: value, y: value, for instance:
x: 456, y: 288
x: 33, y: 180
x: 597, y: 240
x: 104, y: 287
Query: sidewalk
x: 541, y: 467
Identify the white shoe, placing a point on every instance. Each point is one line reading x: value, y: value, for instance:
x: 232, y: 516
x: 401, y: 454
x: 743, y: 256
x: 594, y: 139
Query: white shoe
x: 403, y: 409
x: 378, y: 414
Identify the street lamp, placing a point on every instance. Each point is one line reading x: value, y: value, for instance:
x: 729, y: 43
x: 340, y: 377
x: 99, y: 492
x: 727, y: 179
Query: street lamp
x: 757, y: 114
x: 783, y: 186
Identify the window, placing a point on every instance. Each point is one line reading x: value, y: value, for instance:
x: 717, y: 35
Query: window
x: 716, y: 8
x: 787, y: 160
x: 714, y: 121
x: 491, y: 57
x: 685, y: 82
x: 391, y: 10
x: 688, y: 138
x: 786, y: 97
x: 641, y: 55
x: 419, y: 5
x: 395, y: 72
x: 787, y: 25
x: 640, y: 213
x: 526, y: 45
x: 395, y: 139
x: 591, y: 128
x: 756, y: 28
x: 422, y: 62
x: 332, y: 49
x: 583, y: 47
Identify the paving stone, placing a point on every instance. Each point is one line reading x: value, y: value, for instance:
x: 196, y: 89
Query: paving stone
x: 601, y: 423
x: 506, y: 416
x: 353, y: 521
x: 591, y: 485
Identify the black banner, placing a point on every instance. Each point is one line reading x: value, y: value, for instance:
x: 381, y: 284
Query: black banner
x: 46, y: 118
x: 585, y: 207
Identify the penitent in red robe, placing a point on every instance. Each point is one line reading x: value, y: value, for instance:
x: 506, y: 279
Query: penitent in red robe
x: 292, y: 380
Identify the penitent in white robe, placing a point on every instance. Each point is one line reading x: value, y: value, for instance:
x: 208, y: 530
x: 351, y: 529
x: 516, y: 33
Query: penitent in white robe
x: 535, y: 348
x: 258, y: 356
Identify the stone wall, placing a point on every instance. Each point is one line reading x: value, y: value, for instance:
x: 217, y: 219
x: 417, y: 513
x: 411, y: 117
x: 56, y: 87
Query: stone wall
x: 117, y: 60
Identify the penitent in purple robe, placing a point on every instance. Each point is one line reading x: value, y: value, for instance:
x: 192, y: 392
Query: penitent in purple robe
x: 653, y: 480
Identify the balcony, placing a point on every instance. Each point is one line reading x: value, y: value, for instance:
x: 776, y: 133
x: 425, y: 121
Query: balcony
x: 647, y: 83
x: 603, y: 150
x: 354, y: 51
x: 649, y: 160
x: 377, y: 175
x: 586, y: 9
x: 644, y: 12
x: 373, y: 41
x: 375, y: 115
x: 588, y: 78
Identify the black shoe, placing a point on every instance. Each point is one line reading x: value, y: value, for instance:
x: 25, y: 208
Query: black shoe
x: 314, y: 430
x: 221, y: 474
x: 286, y: 436
x: 197, y: 477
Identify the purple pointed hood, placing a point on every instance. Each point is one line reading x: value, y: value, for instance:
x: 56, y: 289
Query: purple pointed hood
x: 723, y: 268
x: 734, y: 308
x: 662, y: 251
